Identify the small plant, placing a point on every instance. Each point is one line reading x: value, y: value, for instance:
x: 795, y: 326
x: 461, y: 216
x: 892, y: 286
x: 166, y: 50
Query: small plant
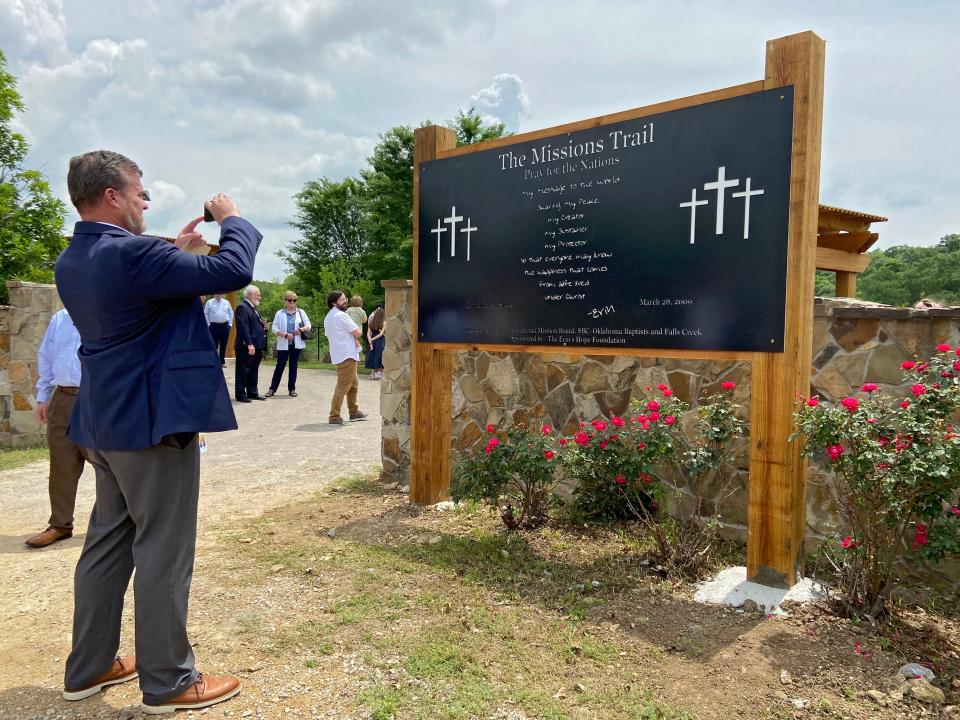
x: 897, y: 469
x: 516, y: 473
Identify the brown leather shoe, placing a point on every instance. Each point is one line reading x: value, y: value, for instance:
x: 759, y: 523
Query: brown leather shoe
x: 206, y: 691
x: 123, y: 669
x: 48, y: 537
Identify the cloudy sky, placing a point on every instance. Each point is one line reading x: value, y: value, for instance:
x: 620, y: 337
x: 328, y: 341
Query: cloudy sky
x: 255, y: 97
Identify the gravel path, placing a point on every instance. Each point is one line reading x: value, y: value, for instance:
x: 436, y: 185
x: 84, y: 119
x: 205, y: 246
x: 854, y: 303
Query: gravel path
x: 284, y: 449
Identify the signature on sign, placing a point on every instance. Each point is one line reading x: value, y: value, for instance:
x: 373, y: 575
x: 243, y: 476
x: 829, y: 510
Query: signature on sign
x: 600, y: 312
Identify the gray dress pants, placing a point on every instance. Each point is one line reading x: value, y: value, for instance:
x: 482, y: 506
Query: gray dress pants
x: 145, y: 517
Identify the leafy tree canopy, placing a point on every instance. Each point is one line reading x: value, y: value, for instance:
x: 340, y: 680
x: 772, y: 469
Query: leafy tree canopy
x: 359, y: 231
x: 904, y: 274
x: 31, y: 217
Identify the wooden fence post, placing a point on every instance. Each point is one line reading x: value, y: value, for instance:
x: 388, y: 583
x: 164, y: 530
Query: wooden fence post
x: 777, y: 504
x: 432, y: 377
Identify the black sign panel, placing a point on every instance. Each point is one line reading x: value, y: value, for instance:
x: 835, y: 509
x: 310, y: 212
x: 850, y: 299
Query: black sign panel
x: 667, y: 231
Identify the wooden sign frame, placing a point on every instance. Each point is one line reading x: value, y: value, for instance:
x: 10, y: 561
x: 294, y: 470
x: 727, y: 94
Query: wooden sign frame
x: 777, y: 492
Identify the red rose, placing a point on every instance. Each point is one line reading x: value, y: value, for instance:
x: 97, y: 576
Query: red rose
x: 603, y: 444
x: 834, y: 452
x: 490, y: 429
x: 908, y: 364
x: 581, y: 438
x: 546, y: 430
x: 563, y: 442
x: 641, y: 446
x: 491, y: 445
x: 600, y: 425
x: 905, y: 404
x: 619, y: 479
x: 668, y: 392
x: 653, y: 405
x: 616, y: 421
x: 850, y: 404
x: 813, y: 401
x: 727, y: 385
x: 920, y: 538
x: 943, y: 347
x: 669, y: 419
x: 955, y: 510
x: 869, y: 387
x: 847, y: 542
x: 548, y: 454
x: 918, y: 389
x: 956, y: 366
x: 661, y: 387
x: 654, y: 416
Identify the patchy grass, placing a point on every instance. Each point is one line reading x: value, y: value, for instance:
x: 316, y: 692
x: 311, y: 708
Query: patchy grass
x: 10, y: 459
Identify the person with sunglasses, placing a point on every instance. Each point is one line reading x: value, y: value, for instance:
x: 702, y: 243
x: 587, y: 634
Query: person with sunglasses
x: 289, y: 324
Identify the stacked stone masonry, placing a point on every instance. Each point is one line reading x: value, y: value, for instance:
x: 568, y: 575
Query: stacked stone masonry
x: 853, y: 342
x: 22, y: 325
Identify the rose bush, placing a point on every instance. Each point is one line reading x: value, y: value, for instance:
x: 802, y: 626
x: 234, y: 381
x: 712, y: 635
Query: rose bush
x: 516, y: 472
x: 897, y: 469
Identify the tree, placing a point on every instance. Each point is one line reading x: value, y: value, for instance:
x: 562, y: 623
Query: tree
x: 31, y: 217
x: 373, y: 213
x: 904, y: 274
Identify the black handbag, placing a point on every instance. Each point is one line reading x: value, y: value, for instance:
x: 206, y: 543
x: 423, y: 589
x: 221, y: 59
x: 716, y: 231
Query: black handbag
x: 304, y: 334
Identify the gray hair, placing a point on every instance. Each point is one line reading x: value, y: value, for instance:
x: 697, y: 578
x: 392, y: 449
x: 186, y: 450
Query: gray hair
x: 93, y: 172
x: 251, y: 289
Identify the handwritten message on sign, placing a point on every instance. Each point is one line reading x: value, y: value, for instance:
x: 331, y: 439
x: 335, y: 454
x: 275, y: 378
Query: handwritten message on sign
x: 667, y: 231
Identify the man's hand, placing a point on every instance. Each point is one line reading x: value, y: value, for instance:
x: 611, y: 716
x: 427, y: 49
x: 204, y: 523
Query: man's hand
x: 251, y: 350
x: 189, y: 239
x: 222, y: 207
x: 42, y: 412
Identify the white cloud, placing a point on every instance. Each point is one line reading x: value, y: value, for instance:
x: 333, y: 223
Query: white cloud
x: 504, y: 98
x: 35, y: 29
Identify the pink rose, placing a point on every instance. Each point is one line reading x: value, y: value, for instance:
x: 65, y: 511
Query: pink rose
x: 869, y: 387
x: 834, y: 452
x: 850, y: 404
x: 727, y: 385
x: 669, y: 420
x: 491, y: 445
x: 908, y: 364
x: 546, y: 430
x: 848, y: 542
x: 490, y: 429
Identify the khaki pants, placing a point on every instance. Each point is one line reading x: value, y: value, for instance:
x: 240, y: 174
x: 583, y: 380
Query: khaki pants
x: 66, y: 459
x: 347, y: 384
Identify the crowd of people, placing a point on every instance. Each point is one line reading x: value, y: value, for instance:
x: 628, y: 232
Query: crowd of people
x: 128, y: 388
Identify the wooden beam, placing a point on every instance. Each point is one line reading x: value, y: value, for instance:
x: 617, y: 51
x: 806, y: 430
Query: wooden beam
x: 846, y: 284
x: 828, y: 259
x: 828, y: 221
x: 432, y: 375
x: 777, y: 494
x: 848, y: 241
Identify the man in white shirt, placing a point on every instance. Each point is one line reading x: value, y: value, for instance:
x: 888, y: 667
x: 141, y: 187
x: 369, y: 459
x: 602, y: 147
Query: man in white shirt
x: 59, y: 380
x: 343, y: 334
x: 219, y: 317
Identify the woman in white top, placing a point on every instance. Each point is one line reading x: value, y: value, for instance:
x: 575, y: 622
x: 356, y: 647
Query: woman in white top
x: 288, y: 325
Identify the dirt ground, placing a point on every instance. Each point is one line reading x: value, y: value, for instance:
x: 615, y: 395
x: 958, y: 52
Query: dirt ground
x: 332, y: 597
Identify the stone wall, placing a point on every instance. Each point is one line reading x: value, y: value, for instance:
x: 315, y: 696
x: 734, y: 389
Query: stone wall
x: 853, y: 342
x: 22, y: 325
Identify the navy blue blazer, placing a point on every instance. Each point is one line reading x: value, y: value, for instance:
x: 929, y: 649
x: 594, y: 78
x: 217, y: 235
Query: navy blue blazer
x: 148, y: 362
x: 249, y: 327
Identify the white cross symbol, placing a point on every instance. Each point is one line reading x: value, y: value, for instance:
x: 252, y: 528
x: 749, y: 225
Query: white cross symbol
x: 453, y: 220
x: 693, y: 211
x: 438, y: 230
x: 720, y: 186
x: 747, y: 192
x: 469, y: 230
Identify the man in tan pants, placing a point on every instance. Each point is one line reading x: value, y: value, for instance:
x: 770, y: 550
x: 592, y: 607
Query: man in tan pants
x: 342, y: 333
x: 59, y: 381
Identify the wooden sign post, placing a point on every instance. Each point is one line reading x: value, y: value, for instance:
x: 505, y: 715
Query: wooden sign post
x: 623, y: 178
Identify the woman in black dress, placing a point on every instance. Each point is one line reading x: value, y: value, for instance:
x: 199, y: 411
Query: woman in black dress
x: 376, y: 339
